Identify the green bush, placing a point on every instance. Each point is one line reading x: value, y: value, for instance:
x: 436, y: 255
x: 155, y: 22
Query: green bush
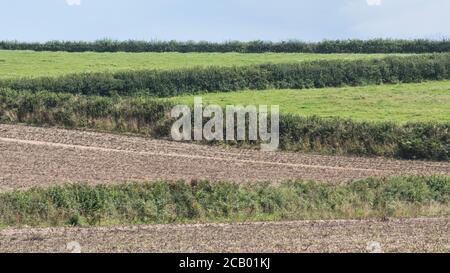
x: 164, y: 202
x: 130, y: 114
x: 339, y: 136
x: 332, y: 73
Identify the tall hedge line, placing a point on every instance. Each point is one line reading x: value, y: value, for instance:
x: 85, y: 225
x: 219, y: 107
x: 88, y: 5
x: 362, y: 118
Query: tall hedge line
x: 148, y: 116
x: 337, y: 46
x: 326, y: 73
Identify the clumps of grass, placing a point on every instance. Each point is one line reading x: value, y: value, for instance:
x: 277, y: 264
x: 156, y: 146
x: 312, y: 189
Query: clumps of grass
x: 201, y: 201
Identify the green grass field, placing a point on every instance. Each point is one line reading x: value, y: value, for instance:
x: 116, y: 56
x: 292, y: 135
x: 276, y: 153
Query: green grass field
x: 429, y: 101
x: 400, y: 103
x: 34, y: 64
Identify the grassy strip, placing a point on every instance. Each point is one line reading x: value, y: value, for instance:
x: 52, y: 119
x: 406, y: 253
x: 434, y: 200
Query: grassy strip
x: 201, y: 201
x: 338, y: 46
x: 148, y: 116
x: 402, y: 103
x: 16, y: 64
x: 317, y: 74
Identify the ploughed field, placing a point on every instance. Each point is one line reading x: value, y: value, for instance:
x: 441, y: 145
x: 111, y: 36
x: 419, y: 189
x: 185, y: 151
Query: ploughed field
x: 112, y: 146
x: 47, y: 156
x: 408, y: 235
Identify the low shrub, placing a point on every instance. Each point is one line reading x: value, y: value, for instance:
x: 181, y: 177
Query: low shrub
x: 164, y: 202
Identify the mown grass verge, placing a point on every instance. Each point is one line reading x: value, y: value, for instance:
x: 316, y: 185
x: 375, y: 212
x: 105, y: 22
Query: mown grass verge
x: 316, y: 74
x: 144, y: 115
x: 203, y: 201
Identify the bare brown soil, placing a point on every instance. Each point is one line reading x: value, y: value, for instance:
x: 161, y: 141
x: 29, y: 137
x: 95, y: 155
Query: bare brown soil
x: 31, y: 156
x: 411, y: 235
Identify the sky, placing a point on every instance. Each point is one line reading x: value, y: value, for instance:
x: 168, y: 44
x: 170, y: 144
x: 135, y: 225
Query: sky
x: 223, y: 20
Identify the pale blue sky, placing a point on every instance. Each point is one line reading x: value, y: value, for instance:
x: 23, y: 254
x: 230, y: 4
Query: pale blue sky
x: 221, y: 20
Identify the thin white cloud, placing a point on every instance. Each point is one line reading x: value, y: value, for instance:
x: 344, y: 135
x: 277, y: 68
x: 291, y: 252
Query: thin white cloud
x: 374, y: 2
x: 73, y: 2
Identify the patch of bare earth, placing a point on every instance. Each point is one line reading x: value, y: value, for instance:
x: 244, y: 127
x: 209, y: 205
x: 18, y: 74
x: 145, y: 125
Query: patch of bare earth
x: 409, y: 235
x: 31, y: 156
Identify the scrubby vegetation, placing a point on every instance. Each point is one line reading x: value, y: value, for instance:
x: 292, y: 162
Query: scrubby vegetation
x: 343, y: 46
x: 316, y: 74
x: 306, y: 134
x: 138, y: 114
x: 339, y: 136
x: 163, y: 202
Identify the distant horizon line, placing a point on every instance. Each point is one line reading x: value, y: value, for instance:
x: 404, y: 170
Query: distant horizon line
x: 290, y: 40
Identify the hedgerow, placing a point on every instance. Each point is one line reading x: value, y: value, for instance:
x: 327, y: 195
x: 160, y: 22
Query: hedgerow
x: 164, y: 202
x: 340, y: 136
x: 317, y: 74
x: 148, y: 116
x: 338, y: 46
x: 129, y: 114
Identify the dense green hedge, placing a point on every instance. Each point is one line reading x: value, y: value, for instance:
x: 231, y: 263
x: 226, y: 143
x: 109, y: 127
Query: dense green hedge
x: 163, y: 202
x: 130, y: 114
x: 343, y: 46
x: 317, y: 74
x: 339, y: 136
x: 148, y: 116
